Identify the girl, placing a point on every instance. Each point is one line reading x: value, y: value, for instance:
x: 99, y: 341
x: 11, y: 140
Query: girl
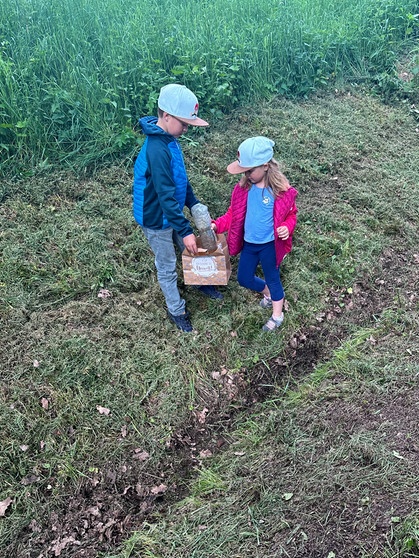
x: 260, y: 222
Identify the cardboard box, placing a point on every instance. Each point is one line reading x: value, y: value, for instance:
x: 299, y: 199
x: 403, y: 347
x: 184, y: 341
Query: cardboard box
x: 207, y: 268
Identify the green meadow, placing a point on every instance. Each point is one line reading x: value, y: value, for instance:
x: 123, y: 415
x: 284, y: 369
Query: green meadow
x: 76, y: 75
x: 122, y: 437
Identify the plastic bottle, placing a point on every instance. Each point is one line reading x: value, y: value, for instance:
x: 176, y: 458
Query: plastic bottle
x: 202, y: 220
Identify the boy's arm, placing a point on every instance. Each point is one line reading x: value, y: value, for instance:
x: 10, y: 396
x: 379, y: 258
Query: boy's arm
x: 190, y: 200
x: 165, y: 187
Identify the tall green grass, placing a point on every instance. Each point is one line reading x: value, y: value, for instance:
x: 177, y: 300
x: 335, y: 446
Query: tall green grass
x: 74, y: 76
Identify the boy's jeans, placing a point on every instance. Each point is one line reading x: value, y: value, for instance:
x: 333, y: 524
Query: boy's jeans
x: 162, y: 244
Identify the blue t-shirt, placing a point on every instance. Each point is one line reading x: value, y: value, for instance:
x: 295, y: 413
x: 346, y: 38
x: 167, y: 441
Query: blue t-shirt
x: 259, y: 222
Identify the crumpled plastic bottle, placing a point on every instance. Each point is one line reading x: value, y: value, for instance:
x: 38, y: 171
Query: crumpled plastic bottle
x: 202, y: 220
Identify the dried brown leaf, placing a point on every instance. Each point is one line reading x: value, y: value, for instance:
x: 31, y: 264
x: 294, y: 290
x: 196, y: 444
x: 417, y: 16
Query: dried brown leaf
x: 294, y: 343
x: 104, y: 293
x: 94, y: 510
x: 161, y: 489
x: 141, y: 455
x: 29, y: 479
x: 58, y: 546
x: 201, y: 415
x: 205, y: 453
x: 103, y: 410
x: 4, y: 505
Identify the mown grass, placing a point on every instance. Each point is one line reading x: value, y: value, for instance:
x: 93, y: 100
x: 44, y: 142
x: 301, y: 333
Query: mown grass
x: 315, y: 478
x: 324, y: 462
x: 75, y: 77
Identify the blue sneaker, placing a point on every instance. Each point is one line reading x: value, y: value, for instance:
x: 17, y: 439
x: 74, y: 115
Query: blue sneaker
x: 182, y: 321
x: 210, y: 291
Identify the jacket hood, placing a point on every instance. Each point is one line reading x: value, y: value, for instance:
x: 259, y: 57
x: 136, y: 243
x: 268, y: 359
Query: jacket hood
x: 149, y: 127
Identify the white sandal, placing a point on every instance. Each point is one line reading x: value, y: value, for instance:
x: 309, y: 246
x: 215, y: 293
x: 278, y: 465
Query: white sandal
x: 266, y: 302
x: 273, y: 323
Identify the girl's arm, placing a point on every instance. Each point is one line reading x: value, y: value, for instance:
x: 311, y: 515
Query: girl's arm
x: 291, y: 219
x: 222, y: 224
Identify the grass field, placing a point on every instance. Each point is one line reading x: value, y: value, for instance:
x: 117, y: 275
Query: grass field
x: 75, y: 76
x: 122, y: 437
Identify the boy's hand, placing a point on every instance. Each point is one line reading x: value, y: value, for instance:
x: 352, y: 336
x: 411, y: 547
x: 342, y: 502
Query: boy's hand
x: 283, y: 232
x: 190, y: 243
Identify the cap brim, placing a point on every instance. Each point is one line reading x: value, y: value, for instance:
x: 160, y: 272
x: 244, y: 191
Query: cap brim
x: 235, y: 168
x: 193, y: 121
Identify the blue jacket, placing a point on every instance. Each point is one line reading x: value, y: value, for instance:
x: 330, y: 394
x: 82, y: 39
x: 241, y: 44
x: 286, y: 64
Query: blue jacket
x: 161, y: 187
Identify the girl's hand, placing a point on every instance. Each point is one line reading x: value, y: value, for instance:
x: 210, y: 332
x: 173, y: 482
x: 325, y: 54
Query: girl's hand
x: 214, y: 227
x: 283, y: 232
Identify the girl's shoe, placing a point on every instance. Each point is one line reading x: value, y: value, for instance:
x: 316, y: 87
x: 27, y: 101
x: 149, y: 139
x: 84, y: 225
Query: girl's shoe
x: 266, y: 302
x: 273, y: 323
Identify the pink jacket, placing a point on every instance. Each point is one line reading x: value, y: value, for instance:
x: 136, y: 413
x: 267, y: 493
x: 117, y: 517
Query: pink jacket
x: 285, y: 213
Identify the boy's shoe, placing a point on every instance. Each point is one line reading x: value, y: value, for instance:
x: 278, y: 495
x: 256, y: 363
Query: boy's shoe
x: 210, y: 291
x: 266, y: 302
x: 182, y: 321
x: 273, y: 323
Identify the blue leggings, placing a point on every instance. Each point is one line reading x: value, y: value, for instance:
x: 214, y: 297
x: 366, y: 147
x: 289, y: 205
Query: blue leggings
x: 250, y: 257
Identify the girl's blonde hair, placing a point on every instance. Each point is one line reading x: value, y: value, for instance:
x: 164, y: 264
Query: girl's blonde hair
x: 275, y: 180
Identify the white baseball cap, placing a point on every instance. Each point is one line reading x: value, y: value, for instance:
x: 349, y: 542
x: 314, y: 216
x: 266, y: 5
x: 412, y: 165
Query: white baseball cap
x: 252, y: 152
x: 179, y: 101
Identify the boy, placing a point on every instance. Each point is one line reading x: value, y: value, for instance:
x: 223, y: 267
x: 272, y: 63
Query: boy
x: 162, y: 189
